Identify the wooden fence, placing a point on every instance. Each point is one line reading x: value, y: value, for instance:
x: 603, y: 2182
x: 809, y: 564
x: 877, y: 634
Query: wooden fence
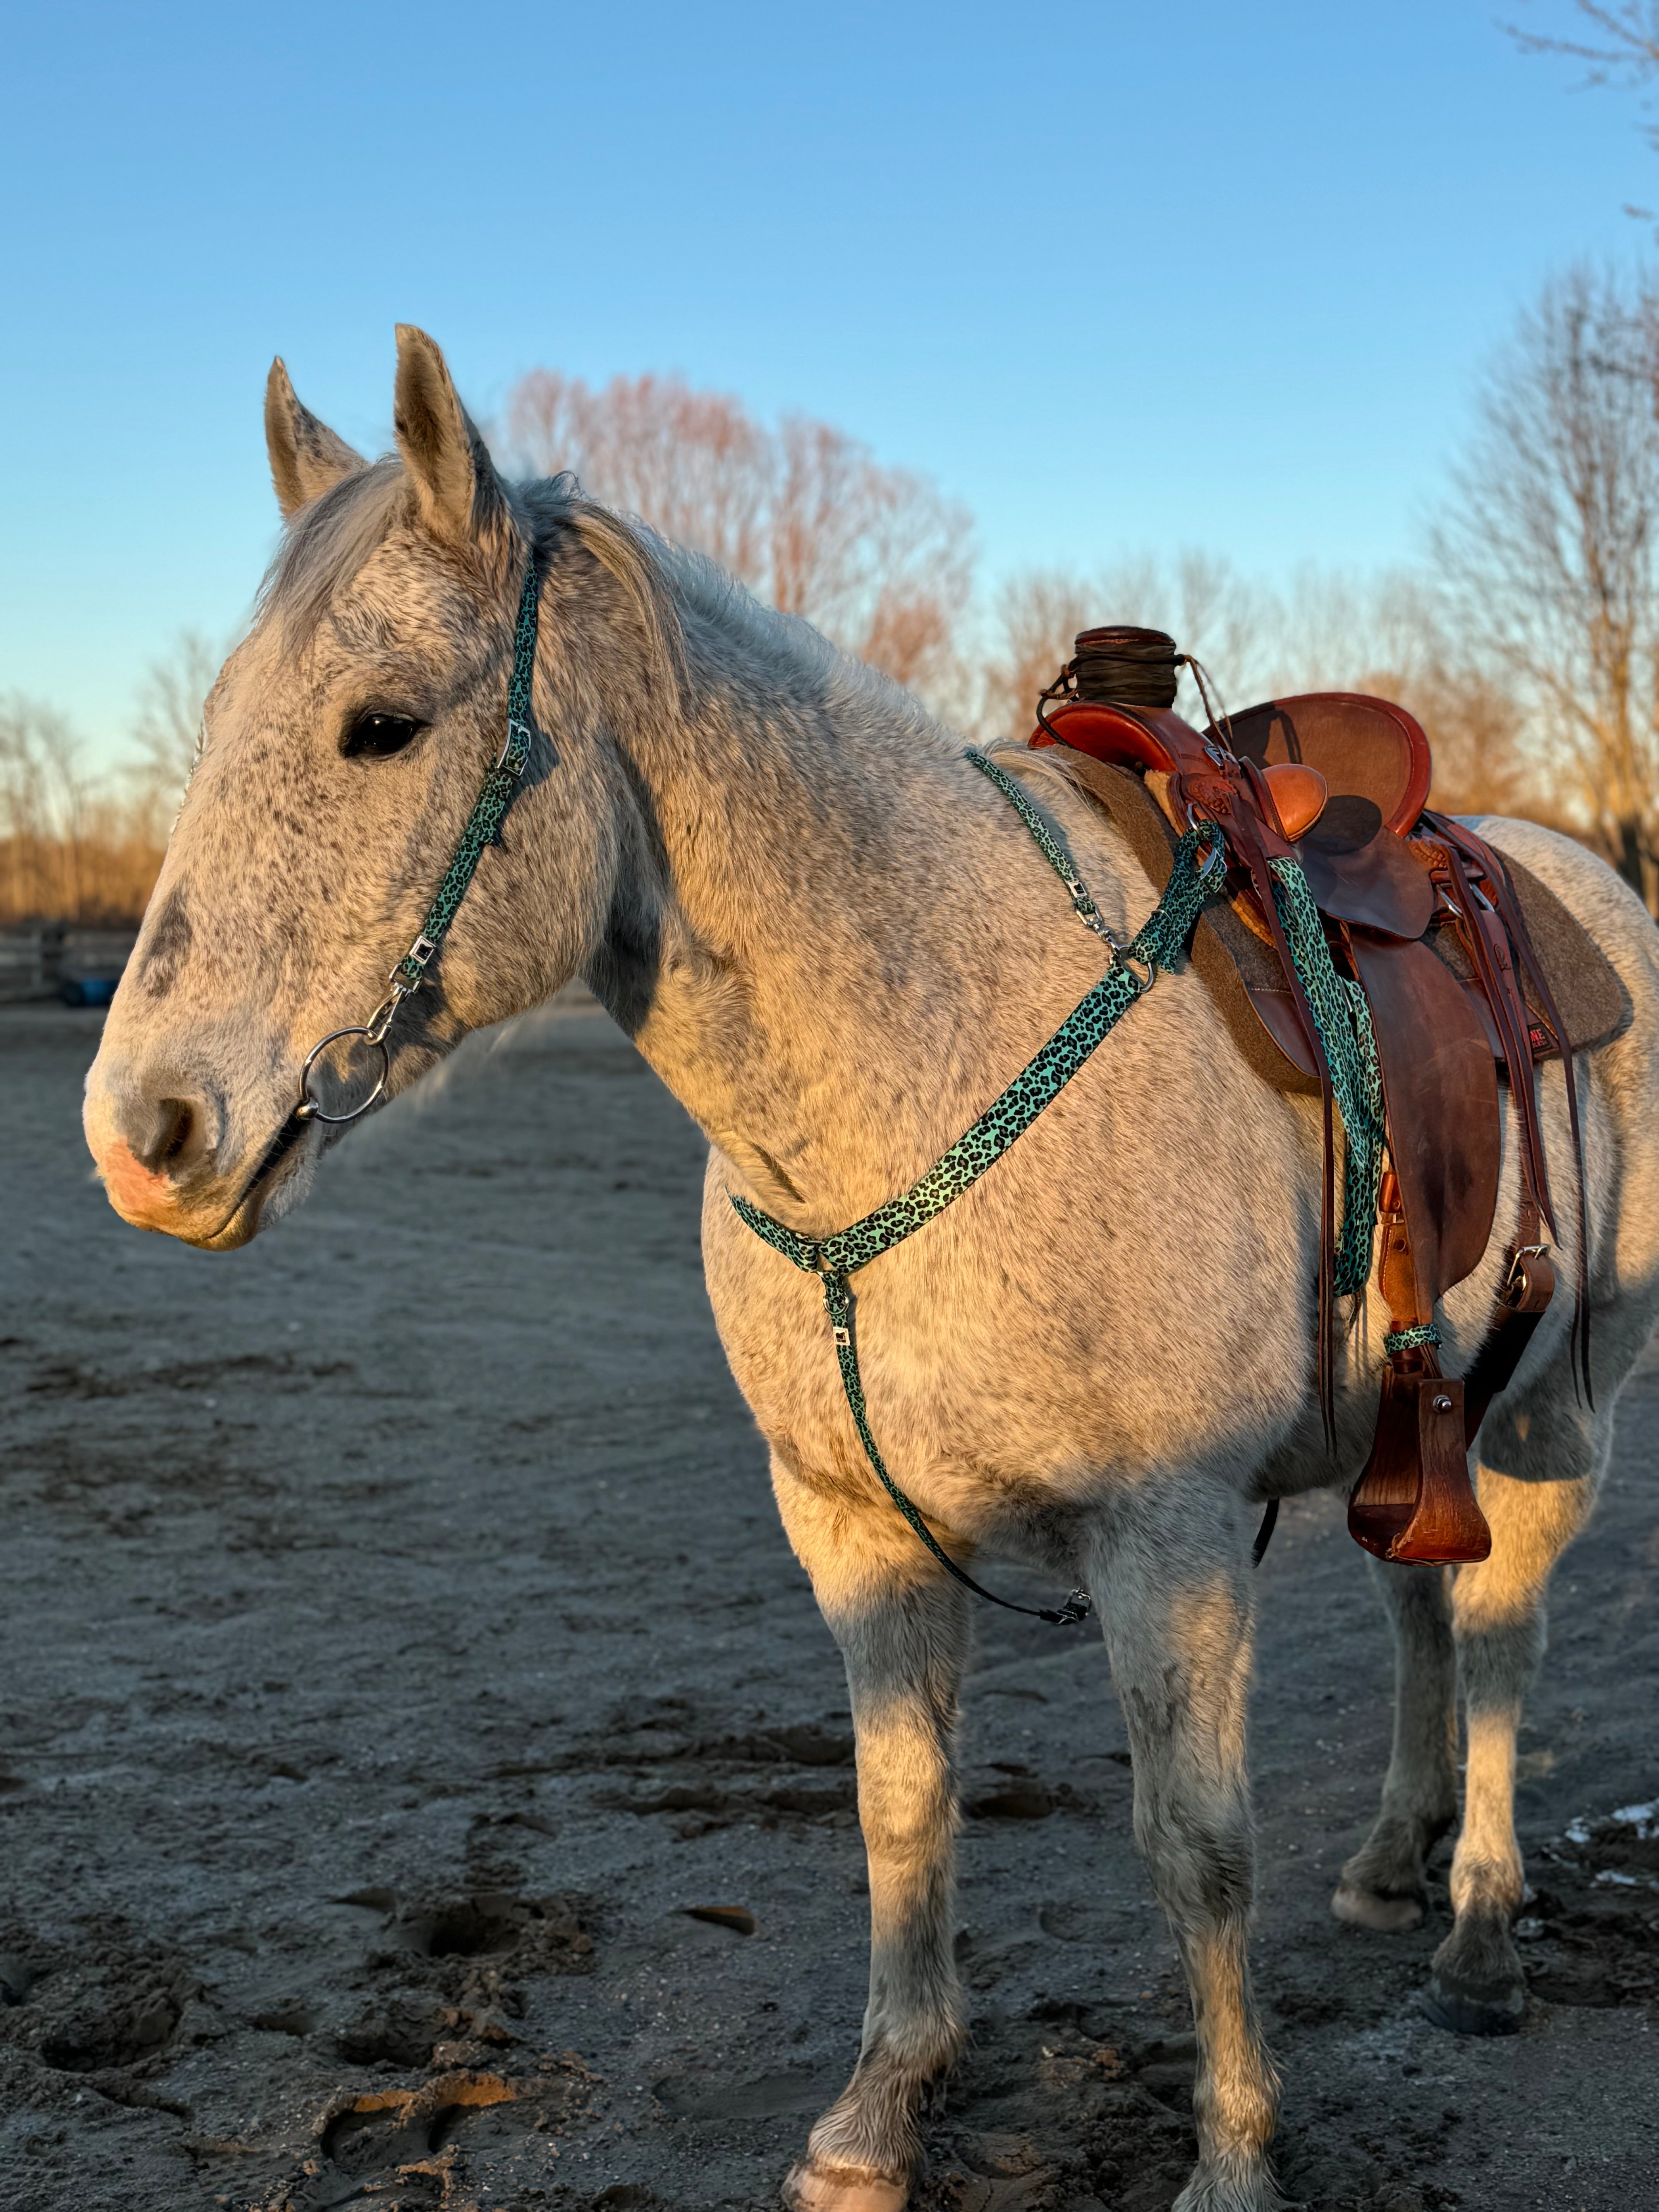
x: 60, y: 960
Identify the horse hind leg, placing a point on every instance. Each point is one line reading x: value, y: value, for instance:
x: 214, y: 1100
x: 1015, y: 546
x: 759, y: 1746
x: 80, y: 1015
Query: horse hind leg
x: 1383, y: 1886
x: 1538, y: 1478
x: 1174, y: 1600
x: 902, y: 1629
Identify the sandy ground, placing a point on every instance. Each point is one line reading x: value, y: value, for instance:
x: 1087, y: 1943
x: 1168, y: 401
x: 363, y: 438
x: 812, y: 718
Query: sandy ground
x: 400, y: 1647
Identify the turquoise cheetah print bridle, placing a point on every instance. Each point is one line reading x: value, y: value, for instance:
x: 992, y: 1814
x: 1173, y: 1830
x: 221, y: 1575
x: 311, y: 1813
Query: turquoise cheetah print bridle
x: 483, y: 827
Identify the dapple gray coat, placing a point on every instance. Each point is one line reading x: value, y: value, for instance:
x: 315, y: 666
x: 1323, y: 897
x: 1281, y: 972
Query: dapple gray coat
x: 836, y: 943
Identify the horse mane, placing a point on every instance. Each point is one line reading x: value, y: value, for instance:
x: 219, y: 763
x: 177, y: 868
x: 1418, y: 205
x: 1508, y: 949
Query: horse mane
x: 670, y: 587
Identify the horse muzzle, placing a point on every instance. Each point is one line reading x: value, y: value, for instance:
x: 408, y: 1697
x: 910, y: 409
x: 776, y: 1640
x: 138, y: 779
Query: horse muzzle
x: 168, y: 1163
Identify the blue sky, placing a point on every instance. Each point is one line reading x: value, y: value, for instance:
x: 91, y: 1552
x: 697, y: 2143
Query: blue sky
x: 1120, y: 276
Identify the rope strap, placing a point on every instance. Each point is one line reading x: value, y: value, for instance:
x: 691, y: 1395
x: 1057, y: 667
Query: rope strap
x: 1192, y: 881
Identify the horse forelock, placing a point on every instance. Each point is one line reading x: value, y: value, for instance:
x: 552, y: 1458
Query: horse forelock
x: 326, y: 544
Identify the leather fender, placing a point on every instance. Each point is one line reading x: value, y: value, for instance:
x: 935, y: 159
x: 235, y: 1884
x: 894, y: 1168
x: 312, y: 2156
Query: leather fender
x: 1440, y: 1088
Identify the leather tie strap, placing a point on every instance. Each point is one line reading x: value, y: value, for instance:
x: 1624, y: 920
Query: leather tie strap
x: 1475, y: 852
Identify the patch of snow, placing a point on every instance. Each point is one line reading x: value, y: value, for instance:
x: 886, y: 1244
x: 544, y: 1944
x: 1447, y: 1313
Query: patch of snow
x: 1644, y: 1819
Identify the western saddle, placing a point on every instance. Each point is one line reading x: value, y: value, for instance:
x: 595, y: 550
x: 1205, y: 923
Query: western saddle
x: 1470, y: 970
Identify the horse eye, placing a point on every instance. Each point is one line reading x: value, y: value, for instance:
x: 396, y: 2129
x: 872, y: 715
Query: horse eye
x: 377, y: 736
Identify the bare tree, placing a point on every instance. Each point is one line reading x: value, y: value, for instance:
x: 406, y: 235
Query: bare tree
x: 1628, y: 35
x: 69, y: 851
x: 1548, y: 552
x: 42, y: 807
x: 803, y: 514
x: 1038, y: 613
x: 1386, y: 633
x: 166, y: 728
x: 1621, y: 48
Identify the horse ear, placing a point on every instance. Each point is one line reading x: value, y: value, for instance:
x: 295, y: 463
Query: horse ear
x: 454, y: 479
x: 306, y: 458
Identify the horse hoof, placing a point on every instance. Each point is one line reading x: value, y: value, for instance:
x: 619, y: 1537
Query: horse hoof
x: 1461, y: 2013
x: 814, y: 2188
x: 1369, y: 1908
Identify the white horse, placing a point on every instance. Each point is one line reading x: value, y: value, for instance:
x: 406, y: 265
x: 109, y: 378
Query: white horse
x: 834, y: 942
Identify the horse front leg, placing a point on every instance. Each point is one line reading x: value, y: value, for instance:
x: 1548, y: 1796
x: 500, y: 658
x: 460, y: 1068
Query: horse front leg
x: 901, y: 1625
x: 1383, y: 1885
x: 1171, y: 1587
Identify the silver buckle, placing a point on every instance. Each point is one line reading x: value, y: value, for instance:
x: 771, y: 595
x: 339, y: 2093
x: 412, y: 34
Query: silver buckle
x: 520, y: 735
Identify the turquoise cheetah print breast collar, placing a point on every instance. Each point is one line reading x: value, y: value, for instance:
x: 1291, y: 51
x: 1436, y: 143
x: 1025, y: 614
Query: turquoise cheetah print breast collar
x: 1196, y: 876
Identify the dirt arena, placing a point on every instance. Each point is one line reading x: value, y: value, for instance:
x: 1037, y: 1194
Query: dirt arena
x: 400, y: 1649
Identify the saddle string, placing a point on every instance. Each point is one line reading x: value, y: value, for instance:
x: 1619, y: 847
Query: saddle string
x: 1219, y: 717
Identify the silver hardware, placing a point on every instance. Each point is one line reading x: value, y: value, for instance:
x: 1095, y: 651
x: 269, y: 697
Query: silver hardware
x: 520, y: 735
x: 1517, y: 1283
x: 1443, y: 1404
x: 1129, y: 963
x: 842, y: 1336
x: 310, y: 1108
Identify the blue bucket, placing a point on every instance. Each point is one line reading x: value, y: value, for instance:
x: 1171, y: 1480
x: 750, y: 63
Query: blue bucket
x: 88, y: 990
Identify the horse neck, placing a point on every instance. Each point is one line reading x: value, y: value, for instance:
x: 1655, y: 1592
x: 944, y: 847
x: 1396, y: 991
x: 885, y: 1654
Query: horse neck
x: 842, y: 916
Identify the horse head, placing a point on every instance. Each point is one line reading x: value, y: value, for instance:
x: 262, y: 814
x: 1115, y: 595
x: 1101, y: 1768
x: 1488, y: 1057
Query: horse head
x: 343, y: 746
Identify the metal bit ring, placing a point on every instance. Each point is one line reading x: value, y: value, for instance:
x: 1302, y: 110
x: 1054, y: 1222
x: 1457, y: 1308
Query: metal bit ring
x: 310, y: 1108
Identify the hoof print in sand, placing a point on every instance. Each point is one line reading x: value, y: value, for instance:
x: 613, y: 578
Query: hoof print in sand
x: 400, y: 2030
x: 118, y: 2010
x: 1070, y: 2117
x: 543, y: 1935
x: 717, y: 1781
x: 402, y: 2148
x: 457, y: 1968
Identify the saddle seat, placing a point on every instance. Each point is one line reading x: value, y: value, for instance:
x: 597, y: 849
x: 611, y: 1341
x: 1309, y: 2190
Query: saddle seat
x: 1363, y: 748
x: 1429, y: 921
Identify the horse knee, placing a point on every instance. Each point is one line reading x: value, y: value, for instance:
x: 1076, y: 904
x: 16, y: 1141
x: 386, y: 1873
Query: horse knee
x: 1202, y: 1862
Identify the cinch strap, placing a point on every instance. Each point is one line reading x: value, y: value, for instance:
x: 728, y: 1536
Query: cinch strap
x: 1193, y: 882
